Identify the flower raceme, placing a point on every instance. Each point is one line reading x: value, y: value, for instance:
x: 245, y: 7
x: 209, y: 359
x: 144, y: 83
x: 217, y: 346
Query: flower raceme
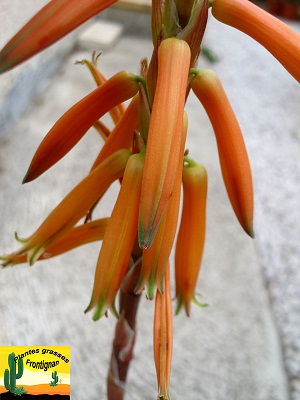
x: 191, y: 235
x: 145, y: 151
x: 232, y: 151
x: 277, y: 37
x: 118, y: 240
x: 164, y: 136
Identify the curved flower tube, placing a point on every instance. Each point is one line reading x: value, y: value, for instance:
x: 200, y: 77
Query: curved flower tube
x: 163, y: 337
x: 121, y: 136
x: 75, y: 205
x: 52, y: 22
x: 191, y: 235
x: 155, y: 259
x: 164, y: 137
x: 118, y: 240
x: 78, y: 236
x: 232, y: 151
x: 277, y: 37
x: 117, y: 112
x: 72, y: 126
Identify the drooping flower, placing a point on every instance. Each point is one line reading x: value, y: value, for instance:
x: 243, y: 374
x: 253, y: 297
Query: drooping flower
x: 163, y: 337
x: 277, y: 37
x: 191, y: 235
x: 71, y: 127
x: 75, y: 237
x: 118, y: 240
x: 155, y: 258
x: 52, y: 22
x: 164, y: 137
x: 117, y: 112
x: 75, y: 205
x: 121, y: 136
x: 232, y: 151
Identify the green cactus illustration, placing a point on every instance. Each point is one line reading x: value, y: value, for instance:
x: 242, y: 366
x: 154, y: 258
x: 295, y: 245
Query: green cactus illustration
x: 55, y: 379
x: 10, y: 376
x: 19, y: 391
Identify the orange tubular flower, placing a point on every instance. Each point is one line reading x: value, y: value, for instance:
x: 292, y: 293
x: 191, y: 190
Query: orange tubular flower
x: 55, y: 20
x: 118, y: 240
x: 71, y: 127
x: 232, y: 151
x: 116, y: 113
x: 163, y: 338
x: 102, y: 129
x: 122, y: 135
x: 78, y: 236
x: 164, y: 137
x: 75, y: 205
x: 278, y: 38
x: 191, y: 236
x: 155, y: 259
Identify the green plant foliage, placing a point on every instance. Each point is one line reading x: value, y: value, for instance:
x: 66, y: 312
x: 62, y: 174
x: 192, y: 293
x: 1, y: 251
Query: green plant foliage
x: 10, y: 376
x: 55, y: 379
x: 19, y: 391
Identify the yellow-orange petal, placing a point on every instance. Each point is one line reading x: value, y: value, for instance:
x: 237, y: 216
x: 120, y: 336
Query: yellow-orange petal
x: 78, y: 236
x: 233, y: 155
x: 191, y: 235
x: 164, y: 137
x: 71, y: 127
x: 76, y: 204
x: 102, y: 129
x: 163, y: 337
x: 155, y: 259
x: 118, y: 240
x: 122, y: 135
x: 52, y: 22
x: 277, y: 37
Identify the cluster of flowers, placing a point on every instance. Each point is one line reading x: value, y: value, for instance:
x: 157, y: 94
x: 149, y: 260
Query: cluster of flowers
x: 145, y: 151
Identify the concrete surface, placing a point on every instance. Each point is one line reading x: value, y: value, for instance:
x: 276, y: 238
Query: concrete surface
x: 246, y: 344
